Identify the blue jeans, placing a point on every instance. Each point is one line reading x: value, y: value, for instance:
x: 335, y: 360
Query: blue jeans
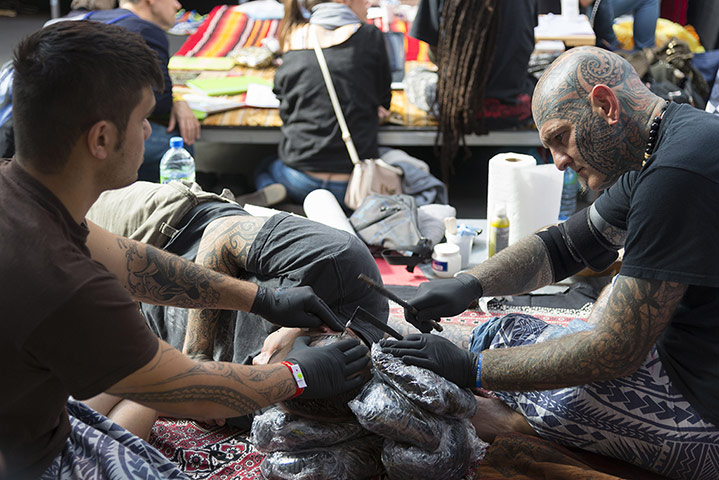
x: 298, y: 184
x: 155, y: 147
x: 646, y: 13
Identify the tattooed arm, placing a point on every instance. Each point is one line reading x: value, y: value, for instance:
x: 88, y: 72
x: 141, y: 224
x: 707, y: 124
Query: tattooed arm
x: 636, y: 313
x: 224, y: 247
x: 154, y: 276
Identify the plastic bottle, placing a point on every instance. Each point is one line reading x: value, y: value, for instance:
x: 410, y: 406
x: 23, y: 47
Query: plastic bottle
x: 446, y: 260
x: 498, y: 231
x: 177, y: 163
x: 569, y: 194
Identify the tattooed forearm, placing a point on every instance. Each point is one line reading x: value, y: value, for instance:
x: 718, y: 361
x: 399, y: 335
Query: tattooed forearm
x: 200, y: 334
x: 637, y: 312
x: 158, y: 277
x: 521, y: 268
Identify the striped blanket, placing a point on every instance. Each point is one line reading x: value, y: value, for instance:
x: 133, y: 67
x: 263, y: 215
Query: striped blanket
x: 227, y: 29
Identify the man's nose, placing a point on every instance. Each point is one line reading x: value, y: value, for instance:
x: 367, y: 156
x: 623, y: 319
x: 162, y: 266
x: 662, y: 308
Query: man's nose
x: 561, y: 160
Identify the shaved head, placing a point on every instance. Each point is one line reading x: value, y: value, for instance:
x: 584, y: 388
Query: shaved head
x: 566, y: 92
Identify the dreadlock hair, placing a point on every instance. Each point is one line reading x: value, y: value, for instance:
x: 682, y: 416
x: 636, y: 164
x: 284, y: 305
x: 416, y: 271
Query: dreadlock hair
x: 467, y: 43
x: 294, y: 17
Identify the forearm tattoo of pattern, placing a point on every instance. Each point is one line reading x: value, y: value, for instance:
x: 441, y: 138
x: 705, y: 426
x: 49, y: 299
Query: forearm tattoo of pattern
x: 197, y: 386
x: 159, y: 277
x: 636, y: 313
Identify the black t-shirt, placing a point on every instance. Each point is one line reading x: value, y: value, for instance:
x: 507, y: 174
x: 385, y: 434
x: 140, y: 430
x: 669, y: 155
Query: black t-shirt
x: 669, y: 210
x: 509, y: 77
x: 68, y: 326
x: 311, y: 138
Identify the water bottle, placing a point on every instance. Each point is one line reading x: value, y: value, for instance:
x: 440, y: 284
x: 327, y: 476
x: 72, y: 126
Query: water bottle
x: 569, y: 194
x: 177, y: 163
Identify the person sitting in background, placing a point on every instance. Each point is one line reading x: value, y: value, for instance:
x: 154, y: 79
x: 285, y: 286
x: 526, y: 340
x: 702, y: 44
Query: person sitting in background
x: 171, y: 117
x: 311, y: 153
x: 70, y: 326
x: 603, y: 13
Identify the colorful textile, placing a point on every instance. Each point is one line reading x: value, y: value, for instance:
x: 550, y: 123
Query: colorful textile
x: 415, y: 50
x: 100, y: 448
x: 713, y: 102
x: 641, y: 419
x: 225, y: 30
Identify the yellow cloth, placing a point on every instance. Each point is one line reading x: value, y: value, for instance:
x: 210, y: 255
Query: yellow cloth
x: 665, y: 30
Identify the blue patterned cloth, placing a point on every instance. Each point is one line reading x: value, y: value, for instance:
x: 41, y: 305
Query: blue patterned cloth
x: 641, y: 419
x: 713, y: 102
x: 98, y: 448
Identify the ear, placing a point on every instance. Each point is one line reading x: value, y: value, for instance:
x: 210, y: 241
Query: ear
x: 604, y: 102
x: 101, y: 139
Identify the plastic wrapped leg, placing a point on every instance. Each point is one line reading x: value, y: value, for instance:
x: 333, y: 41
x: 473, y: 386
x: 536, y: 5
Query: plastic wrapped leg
x: 458, y: 448
x: 333, y: 409
x: 424, y: 387
x: 276, y: 430
x: 353, y: 460
x: 386, y: 412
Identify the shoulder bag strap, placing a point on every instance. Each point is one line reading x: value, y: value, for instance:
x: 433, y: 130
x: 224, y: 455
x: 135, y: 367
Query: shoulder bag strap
x: 346, y: 137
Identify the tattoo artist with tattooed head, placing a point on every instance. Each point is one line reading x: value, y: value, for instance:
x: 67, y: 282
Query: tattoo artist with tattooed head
x: 640, y: 380
x: 82, y: 94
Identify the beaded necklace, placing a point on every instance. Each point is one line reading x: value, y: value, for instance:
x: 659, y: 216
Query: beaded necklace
x: 654, y: 133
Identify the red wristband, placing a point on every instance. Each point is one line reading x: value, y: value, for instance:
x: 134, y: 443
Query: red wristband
x: 298, y: 376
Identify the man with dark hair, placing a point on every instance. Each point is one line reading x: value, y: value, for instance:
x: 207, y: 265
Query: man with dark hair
x: 83, y: 91
x: 640, y: 380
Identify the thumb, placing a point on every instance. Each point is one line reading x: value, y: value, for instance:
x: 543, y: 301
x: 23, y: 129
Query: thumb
x: 418, y: 362
x: 301, y: 343
x: 171, y: 124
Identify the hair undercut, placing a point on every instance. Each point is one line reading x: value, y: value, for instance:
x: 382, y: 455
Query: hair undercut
x: 467, y: 43
x: 69, y: 76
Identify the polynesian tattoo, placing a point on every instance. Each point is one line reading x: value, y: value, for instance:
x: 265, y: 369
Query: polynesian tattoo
x: 196, y: 384
x: 636, y: 312
x: 563, y: 93
x: 224, y: 248
x: 156, y: 276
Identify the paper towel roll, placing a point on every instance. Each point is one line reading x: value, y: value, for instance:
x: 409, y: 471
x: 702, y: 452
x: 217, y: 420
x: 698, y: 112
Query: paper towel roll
x: 531, y: 193
x: 321, y: 206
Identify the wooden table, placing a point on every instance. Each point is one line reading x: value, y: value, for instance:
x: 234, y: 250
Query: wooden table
x: 409, y: 126
x: 574, y: 32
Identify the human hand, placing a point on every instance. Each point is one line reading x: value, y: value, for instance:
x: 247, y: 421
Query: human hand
x: 276, y: 342
x: 382, y: 115
x: 329, y: 370
x: 442, y: 298
x: 437, y: 354
x: 182, y: 116
x: 294, y: 307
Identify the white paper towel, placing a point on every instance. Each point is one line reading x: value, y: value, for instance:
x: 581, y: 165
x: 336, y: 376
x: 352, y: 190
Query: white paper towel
x: 531, y: 193
x: 321, y: 206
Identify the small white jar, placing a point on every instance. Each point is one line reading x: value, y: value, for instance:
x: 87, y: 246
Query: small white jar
x: 446, y: 260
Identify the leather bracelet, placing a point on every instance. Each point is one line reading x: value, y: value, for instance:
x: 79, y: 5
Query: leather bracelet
x: 298, y: 376
x: 479, y: 371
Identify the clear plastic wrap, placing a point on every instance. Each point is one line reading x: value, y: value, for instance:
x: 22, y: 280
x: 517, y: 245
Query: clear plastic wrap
x: 333, y: 409
x: 424, y: 387
x: 459, y: 447
x: 276, y: 430
x: 353, y: 460
x: 384, y: 411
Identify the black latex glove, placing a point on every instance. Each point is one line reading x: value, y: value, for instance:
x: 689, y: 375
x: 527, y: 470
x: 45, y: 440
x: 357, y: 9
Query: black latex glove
x: 294, y: 307
x: 442, y: 298
x: 437, y: 354
x: 327, y: 369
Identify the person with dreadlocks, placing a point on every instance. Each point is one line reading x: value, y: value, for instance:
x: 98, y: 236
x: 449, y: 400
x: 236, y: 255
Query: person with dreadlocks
x: 478, y: 90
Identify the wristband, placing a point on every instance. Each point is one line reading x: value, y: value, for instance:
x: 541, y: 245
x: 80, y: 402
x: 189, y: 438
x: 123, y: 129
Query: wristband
x: 479, y: 371
x: 298, y: 376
